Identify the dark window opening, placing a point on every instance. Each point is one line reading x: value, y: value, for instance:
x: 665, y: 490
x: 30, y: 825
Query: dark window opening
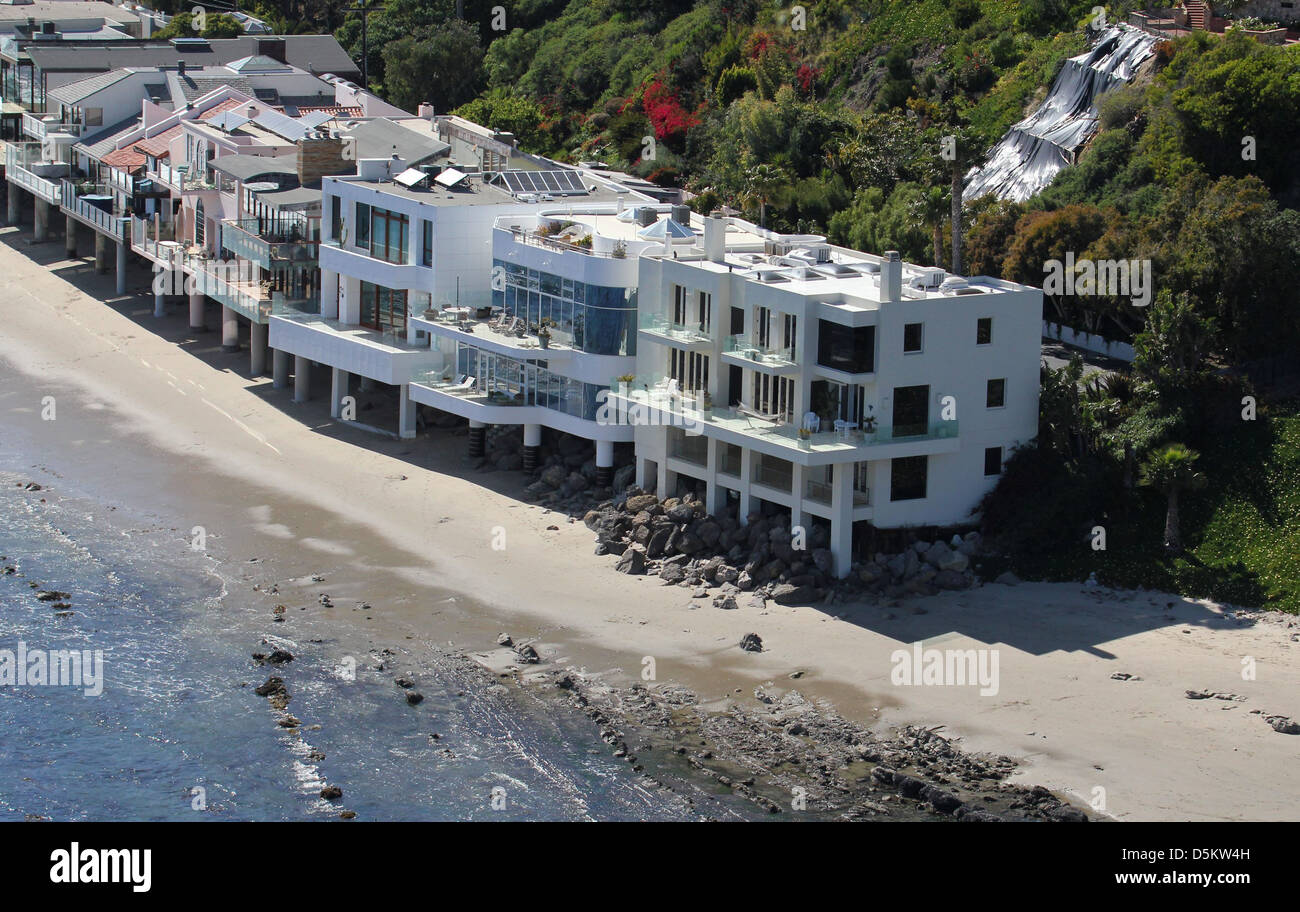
x: 913, y: 336
x: 984, y: 331
x: 993, y: 461
x: 997, y: 394
x: 846, y: 348
x: 907, y: 478
x: 911, y: 411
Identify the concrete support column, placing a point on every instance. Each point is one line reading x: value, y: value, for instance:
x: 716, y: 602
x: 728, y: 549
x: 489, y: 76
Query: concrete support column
x: 196, y: 312
x: 406, y: 413
x: 301, y: 378
x: 604, y: 463
x: 338, y: 389
x: 280, y: 369
x: 41, y: 228
x: 797, y: 517
x: 15, y: 204
x: 70, y: 236
x: 257, y: 336
x: 746, y: 470
x: 842, y: 518
x: 159, y: 304
x: 229, y: 329
x: 121, y: 268
x: 101, y: 253
x: 477, y: 439
x: 666, y: 483
x: 532, y: 446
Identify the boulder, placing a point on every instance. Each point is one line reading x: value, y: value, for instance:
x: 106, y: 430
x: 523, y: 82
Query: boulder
x: 936, y: 554
x: 641, y: 502
x: 554, y: 477
x: 632, y: 562
x: 672, y: 573
x: 787, y: 594
x: 1008, y: 579
x: 955, y: 560
x: 751, y: 642
x: 950, y: 579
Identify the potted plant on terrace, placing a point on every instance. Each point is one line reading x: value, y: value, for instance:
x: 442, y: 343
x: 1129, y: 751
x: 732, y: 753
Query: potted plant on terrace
x: 805, y: 438
x: 544, y: 332
x: 869, y: 427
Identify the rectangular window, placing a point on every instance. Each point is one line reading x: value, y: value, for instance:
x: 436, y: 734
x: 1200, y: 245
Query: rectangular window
x: 907, y: 478
x: 911, y: 411
x: 363, y: 226
x: 336, y: 217
x: 426, y: 258
x: 913, y: 337
x: 846, y: 348
x: 984, y: 331
x: 993, y: 461
x: 997, y: 394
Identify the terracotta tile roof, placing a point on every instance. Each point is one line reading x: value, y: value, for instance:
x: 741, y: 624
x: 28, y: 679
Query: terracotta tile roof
x: 128, y: 160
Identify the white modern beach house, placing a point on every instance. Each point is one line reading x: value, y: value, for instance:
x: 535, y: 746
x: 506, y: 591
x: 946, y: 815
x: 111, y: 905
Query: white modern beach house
x: 406, y: 280
x: 782, y: 372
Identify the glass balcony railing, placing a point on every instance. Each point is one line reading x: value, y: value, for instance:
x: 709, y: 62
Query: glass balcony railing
x: 771, y: 357
x: 678, y: 332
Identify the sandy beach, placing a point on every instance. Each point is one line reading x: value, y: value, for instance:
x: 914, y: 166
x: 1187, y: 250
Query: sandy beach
x: 262, y: 474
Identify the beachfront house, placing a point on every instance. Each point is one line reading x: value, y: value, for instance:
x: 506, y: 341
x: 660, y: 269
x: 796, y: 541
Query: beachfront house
x: 779, y: 372
x: 406, y: 267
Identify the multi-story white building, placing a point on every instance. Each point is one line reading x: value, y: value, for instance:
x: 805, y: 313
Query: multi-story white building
x: 573, y: 270
x: 847, y: 388
x: 406, y: 264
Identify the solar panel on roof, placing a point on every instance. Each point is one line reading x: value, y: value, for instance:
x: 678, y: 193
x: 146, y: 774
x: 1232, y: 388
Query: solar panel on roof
x: 410, y: 177
x: 315, y: 119
x: 277, y: 123
x: 228, y: 120
x: 450, y: 177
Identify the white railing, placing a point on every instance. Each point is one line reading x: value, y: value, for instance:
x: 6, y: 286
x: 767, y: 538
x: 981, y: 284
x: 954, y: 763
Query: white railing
x: 17, y: 173
x: 106, y: 222
x: 34, y: 125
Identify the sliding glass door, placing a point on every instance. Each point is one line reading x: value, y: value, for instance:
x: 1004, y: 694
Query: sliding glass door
x: 383, y: 308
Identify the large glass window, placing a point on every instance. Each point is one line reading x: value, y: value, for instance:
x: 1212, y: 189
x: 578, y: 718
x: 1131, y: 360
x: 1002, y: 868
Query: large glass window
x: 383, y: 308
x: 363, y: 226
x: 851, y: 349
x: 389, y: 235
x: 426, y: 243
x: 911, y: 411
x: 592, y: 318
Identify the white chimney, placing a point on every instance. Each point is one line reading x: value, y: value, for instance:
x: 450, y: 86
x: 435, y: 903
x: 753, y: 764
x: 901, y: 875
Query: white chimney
x: 891, y: 277
x: 715, y: 239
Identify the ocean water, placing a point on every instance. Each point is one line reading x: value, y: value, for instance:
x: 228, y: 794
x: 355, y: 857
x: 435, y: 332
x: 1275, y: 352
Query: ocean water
x: 178, y: 713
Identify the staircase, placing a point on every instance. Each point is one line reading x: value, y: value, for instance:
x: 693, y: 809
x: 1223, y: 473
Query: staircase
x: 1198, y: 14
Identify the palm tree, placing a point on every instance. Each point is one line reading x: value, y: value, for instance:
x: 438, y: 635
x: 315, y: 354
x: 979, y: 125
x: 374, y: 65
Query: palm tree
x: 1172, y: 468
x: 928, y: 210
x: 761, y: 183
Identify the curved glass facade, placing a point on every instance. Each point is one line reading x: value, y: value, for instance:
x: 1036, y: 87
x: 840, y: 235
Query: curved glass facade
x: 598, y: 320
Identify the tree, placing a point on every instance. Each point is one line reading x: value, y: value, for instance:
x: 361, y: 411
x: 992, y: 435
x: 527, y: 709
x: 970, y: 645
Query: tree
x: 1172, y: 469
x: 761, y: 183
x: 445, y: 69
x: 215, y: 25
x: 928, y: 211
x: 1171, y: 350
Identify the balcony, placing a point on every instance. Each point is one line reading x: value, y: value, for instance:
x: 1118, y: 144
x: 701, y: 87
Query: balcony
x: 691, y: 448
x: 821, y: 492
x: 659, y: 328
x: 534, y: 239
x: 36, y: 126
x: 25, y: 167
x: 92, y: 205
x: 157, y: 242
x: 782, y: 439
x: 495, y: 335
x: 743, y: 353
x: 233, y: 283
x: 359, y: 264
x: 361, y: 350
x: 245, y: 239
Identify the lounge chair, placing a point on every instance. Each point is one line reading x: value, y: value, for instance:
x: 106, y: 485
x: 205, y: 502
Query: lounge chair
x: 812, y: 422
